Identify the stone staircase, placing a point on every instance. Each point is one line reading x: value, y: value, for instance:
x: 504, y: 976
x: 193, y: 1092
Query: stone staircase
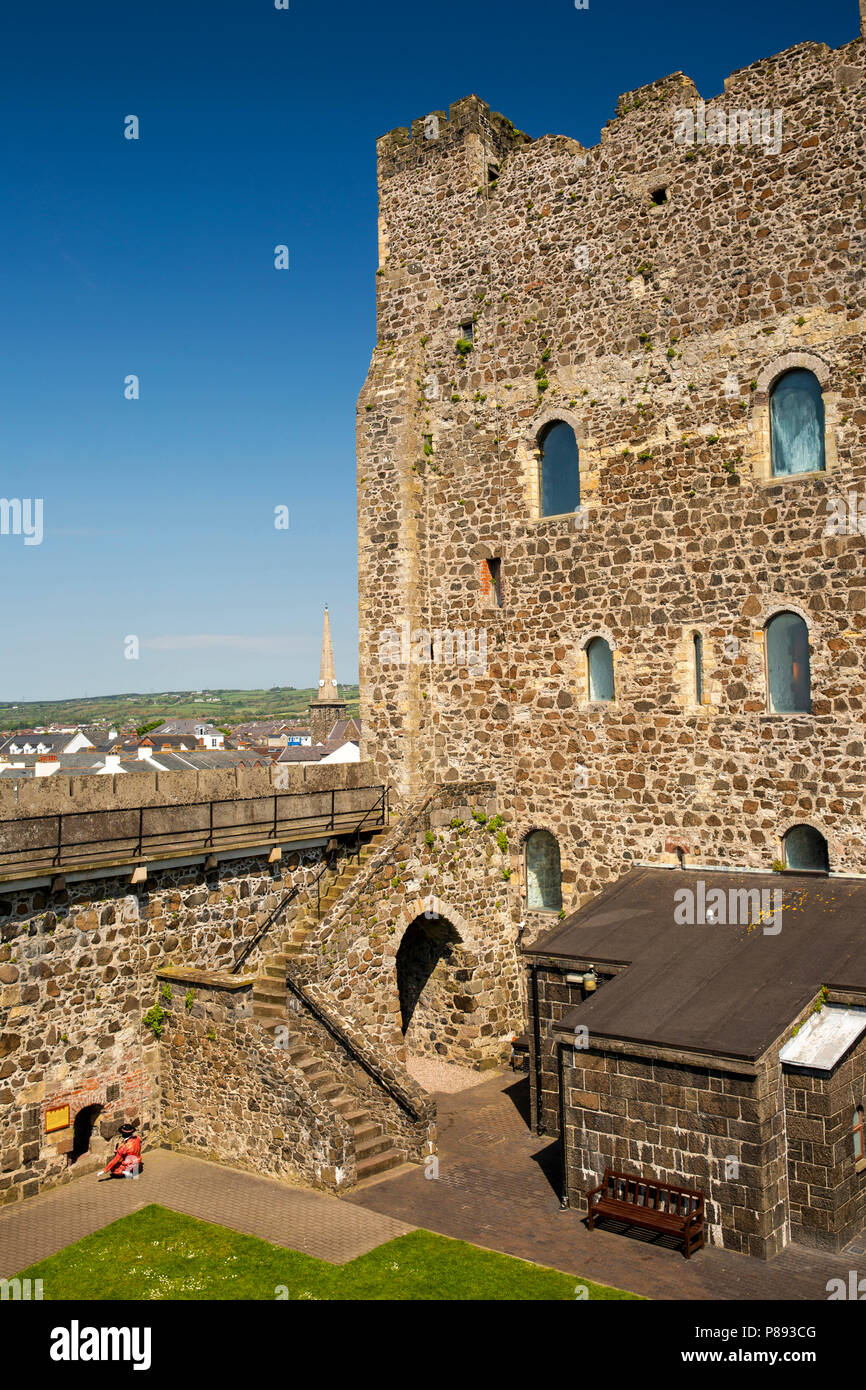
x: 290, y: 938
x: 374, y: 1150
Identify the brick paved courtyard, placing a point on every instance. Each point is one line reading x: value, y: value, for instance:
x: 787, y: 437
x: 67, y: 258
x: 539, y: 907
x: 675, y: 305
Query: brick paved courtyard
x: 293, y: 1217
x: 498, y: 1186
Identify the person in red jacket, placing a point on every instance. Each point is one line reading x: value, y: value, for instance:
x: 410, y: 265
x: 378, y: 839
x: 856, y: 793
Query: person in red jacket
x: 127, y: 1156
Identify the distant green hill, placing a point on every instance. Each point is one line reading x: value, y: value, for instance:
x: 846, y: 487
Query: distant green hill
x: 216, y: 706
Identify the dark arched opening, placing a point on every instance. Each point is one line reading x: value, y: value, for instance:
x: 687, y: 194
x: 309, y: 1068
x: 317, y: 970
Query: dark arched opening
x: 431, y: 985
x: 82, y: 1130
x: 806, y: 850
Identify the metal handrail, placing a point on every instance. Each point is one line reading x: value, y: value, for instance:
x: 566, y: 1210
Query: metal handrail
x: 316, y: 883
x: 385, y: 813
x: 57, y: 852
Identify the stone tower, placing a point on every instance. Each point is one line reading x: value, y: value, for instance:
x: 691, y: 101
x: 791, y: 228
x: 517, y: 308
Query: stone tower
x: 327, y: 707
x: 649, y: 292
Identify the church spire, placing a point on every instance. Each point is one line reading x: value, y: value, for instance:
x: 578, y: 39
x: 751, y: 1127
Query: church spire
x: 326, y: 707
x: 327, y: 676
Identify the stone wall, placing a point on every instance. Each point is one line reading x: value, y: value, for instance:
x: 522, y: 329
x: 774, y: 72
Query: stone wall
x: 442, y: 868
x: 827, y: 1193
x: 549, y: 997
x: 77, y: 973
x: 702, y: 1126
x: 656, y: 330
x: 230, y: 1095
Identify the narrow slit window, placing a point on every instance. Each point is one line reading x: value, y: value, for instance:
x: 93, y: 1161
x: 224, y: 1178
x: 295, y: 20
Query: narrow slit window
x: 857, y: 1138
x: 494, y: 581
x: 698, y: 657
x: 467, y: 330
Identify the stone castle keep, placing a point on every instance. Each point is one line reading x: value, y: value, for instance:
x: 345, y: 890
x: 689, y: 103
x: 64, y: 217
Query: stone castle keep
x: 611, y: 474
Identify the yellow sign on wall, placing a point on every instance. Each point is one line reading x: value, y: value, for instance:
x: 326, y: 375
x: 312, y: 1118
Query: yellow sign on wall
x: 58, y: 1118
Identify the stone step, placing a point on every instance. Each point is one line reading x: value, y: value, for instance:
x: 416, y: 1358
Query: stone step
x: 372, y: 1145
x: 313, y: 1069
x: 331, y: 1091
x: 396, y: 1170
x: 354, y: 1117
x: 268, y: 988
x: 263, y: 1011
x: 378, y: 1163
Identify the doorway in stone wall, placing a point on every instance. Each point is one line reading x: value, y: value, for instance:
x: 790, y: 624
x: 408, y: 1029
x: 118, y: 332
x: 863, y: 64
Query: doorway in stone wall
x: 82, y: 1131
x: 431, y: 983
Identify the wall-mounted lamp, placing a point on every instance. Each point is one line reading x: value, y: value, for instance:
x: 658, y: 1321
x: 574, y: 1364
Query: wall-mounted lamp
x: 587, y: 978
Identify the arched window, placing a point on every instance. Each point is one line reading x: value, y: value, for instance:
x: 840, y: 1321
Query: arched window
x: 543, y: 880
x: 599, y: 669
x: 698, y: 658
x: 559, y: 470
x: 788, y: 679
x: 806, y: 848
x: 797, y: 424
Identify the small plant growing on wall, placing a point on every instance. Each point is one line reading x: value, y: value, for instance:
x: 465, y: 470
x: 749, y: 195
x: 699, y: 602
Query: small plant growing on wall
x: 166, y: 993
x: 154, y: 1019
x: 189, y: 999
x: 502, y: 841
x: 429, y: 839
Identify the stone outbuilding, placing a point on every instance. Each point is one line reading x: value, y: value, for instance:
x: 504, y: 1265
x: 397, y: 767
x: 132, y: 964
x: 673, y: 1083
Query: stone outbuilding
x: 708, y: 1029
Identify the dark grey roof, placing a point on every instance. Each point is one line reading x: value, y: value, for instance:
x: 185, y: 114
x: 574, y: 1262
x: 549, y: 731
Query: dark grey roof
x: 53, y: 742
x: 714, y: 988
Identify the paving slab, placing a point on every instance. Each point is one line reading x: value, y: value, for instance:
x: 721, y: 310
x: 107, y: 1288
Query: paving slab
x: 499, y: 1186
x: 296, y: 1218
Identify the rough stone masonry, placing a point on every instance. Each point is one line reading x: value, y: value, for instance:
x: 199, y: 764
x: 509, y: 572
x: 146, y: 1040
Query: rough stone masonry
x: 648, y: 292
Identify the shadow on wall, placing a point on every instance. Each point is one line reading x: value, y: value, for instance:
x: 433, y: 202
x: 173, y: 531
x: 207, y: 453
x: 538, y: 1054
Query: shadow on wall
x: 428, y: 982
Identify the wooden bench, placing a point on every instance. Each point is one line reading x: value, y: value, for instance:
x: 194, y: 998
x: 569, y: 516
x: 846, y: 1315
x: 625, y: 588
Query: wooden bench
x: 519, y: 1052
x: 657, y: 1206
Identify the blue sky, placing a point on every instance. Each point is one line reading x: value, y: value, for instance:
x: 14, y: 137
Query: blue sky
x: 155, y: 257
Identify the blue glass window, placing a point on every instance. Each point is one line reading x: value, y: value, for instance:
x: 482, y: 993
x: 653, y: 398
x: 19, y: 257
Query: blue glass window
x: 559, y: 469
x: 788, y: 677
x: 599, y: 662
x: 797, y: 424
x: 543, y: 878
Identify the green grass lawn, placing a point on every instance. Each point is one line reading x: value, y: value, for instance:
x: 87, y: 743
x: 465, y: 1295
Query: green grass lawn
x: 159, y: 1254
